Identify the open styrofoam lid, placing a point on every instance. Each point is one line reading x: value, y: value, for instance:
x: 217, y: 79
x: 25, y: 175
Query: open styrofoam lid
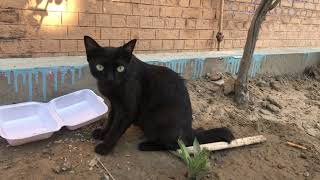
x: 79, y: 107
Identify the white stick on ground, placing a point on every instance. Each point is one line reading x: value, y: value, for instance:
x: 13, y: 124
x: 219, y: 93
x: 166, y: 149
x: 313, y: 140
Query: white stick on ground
x: 235, y: 143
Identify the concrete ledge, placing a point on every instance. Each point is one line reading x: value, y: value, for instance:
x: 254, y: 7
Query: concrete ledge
x: 41, y: 79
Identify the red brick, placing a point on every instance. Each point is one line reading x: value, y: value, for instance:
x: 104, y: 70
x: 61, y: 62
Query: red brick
x: 54, y: 32
x: 298, y: 4
x: 188, y: 44
x: 236, y: 44
x: 143, y: 34
x: 207, y: 3
x: 209, y: 14
x: 170, y: 12
x: 68, y: 45
x: 116, y: 43
x: 143, y: 45
x: 103, y: 20
x: 50, y: 45
x: 110, y: 7
x: 169, y: 23
x: 115, y: 33
x: 178, y: 44
x: 191, y: 24
x: 70, y: 18
x: 200, y: 44
x: 54, y: 18
x: 184, y: 3
x: 167, y: 34
x: 227, y: 44
x: 180, y: 23
x: 166, y: 2
x: 145, y: 10
x: 203, y: 24
x: 30, y: 46
x: 146, y: 22
x: 9, y: 16
x: 189, y: 34
x: 309, y: 6
x: 12, y: 31
x: 158, y: 22
x: 104, y: 42
x: 9, y: 46
x: 133, y: 21
x: 286, y: 3
x: 155, y: 44
x: 195, y: 3
x: 86, y: 19
x: 118, y: 21
x: 13, y: 4
x: 84, y: 6
x: 167, y: 44
x: 206, y: 34
x: 191, y: 13
x: 79, y: 32
x: 146, y: 1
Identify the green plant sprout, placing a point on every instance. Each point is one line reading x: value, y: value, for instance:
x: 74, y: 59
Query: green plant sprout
x: 198, y: 163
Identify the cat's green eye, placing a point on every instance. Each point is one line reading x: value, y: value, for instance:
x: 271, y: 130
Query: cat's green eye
x: 120, y: 68
x: 99, y: 67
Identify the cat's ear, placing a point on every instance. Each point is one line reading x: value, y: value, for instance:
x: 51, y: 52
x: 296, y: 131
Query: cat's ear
x: 90, y: 43
x: 130, y: 46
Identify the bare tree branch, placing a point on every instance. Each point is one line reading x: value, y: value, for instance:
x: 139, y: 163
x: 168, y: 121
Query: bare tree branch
x: 274, y: 4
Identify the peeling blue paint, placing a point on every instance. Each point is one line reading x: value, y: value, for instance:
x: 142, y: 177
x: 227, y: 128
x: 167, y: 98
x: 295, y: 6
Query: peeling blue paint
x: 233, y: 64
x: 30, y: 75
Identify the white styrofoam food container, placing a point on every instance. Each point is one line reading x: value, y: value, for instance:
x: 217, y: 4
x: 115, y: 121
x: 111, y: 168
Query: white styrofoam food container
x: 32, y: 121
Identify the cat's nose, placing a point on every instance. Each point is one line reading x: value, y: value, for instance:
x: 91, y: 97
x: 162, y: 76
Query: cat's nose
x: 110, y: 76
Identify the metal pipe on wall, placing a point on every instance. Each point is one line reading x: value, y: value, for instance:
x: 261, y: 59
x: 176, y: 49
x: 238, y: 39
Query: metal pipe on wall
x: 220, y: 35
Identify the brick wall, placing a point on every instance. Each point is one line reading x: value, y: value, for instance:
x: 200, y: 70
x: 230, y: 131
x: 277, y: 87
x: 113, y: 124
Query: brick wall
x: 28, y: 29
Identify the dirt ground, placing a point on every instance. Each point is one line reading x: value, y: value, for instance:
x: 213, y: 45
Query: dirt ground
x: 283, y: 109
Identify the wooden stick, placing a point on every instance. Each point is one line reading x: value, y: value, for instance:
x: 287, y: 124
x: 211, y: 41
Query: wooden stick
x: 296, y: 145
x: 98, y: 159
x: 235, y: 143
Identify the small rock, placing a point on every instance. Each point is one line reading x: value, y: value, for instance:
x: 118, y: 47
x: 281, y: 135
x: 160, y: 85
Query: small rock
x: 265, y: 112
x: 66, y: 166
x: 306, y: 174
x: 262, y: 83
x: 272, y: 108
x: 275, y: 86
x: 264, y: 104
x: 228, y: 87
x: 56, y: 169
x: 303, y: 156
x: 274, y: 102
x: 105, y: 177
x: 47, y: 152
x: 58, y: 141
x: 281, y: 166
x: 219, y: 82
x: 214, y: 76
x: 313, y: 132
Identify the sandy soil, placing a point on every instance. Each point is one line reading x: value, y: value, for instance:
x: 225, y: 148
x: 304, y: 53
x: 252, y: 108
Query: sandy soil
x: 281, y: 108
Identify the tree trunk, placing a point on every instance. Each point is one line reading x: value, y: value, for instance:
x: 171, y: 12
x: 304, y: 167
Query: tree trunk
x: 241, y: 84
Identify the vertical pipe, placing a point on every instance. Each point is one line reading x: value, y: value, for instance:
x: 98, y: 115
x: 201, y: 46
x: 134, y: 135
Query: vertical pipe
x: 219, y: 34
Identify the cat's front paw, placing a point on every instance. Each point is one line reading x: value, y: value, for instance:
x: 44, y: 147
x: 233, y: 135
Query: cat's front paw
x: 102, y: 149
x: 97, y: 134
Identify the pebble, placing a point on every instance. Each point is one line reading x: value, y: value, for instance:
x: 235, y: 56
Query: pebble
x: 303, y: 156
x: 273, y: 108
x: 306, y: 174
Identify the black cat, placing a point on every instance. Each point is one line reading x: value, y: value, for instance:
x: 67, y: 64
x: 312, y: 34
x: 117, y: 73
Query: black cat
x: 152, y: 97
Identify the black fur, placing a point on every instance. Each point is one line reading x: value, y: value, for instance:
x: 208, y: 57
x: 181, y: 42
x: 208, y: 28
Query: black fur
x: 152, y: 97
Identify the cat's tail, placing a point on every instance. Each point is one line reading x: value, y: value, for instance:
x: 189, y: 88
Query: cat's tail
x: 214, y: 135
